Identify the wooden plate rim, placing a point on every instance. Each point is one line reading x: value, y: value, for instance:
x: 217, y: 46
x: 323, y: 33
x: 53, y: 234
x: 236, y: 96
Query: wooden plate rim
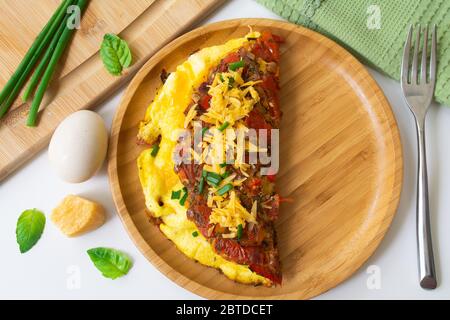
x: 124, y: 215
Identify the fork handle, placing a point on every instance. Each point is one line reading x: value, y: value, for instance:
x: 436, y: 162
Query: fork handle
x: 427, y: 273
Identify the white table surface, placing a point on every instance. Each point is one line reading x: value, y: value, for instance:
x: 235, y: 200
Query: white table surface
x: 59, y: 268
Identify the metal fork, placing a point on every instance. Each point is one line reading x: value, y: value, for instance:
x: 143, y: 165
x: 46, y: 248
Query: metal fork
x: 418, y: 90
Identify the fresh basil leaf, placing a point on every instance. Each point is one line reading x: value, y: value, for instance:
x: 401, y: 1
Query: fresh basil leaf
x: 115, y: 54
x: 30, y: 226
x: 111, y: 263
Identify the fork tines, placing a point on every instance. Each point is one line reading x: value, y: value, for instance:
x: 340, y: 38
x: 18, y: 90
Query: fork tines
x: 410, y: 71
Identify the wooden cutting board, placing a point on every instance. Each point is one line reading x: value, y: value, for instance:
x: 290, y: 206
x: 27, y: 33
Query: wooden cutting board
x: 81, y: 81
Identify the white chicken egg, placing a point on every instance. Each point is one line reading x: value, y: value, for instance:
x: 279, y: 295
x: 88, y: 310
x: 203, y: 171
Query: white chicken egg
x: 78, y: 146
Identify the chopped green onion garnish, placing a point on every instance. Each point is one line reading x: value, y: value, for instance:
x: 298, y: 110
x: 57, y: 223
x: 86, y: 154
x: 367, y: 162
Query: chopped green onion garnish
x: 214, y: 175
x: 184, y: 189
x: 239, y: 231
x: 201, y: 185
x: 155, y: 150
x: 230, y: 82
x: 195, y: 234
x: 215, y: 182
x: 175, y: 195
x: 224, y: 189
x: 226, y: 174
x: 223, y: 165
x: 221, y: 78
x: 204, y: 173
x: 236, y: 65
x: 183, y: 200
x: 224, y: 126
x: 204, y: 131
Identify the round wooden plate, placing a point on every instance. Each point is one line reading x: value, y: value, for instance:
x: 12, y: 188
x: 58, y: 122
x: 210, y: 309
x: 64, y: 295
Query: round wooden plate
x: 340, y: 159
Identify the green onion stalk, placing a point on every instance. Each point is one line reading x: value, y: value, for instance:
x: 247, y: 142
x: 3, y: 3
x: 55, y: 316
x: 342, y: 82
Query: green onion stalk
x: 12, y: 88
x: 59, y: 50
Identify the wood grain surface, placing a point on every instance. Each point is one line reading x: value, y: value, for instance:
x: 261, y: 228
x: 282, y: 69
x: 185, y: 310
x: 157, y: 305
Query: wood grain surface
x: 340, y: 159
x: 81, y: 81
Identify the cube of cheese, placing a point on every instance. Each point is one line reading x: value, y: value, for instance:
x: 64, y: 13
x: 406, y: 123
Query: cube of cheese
x: 76, y: 215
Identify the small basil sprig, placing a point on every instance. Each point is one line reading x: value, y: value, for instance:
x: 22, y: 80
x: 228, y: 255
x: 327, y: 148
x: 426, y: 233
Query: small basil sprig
x: 110, y: 262
x: 115, y: 54
x: 30, y: 226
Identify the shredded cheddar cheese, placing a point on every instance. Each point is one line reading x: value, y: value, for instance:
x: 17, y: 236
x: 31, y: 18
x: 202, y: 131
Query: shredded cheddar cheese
x: 254, y: 208
x: 230, y: 103
x: 232, y: 100
x: 192, y: 113
x: 232, y: 215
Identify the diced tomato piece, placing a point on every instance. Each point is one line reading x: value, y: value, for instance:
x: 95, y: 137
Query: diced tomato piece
x: 265, y: 35
x: 277, y: 38
x: 254, y: 185
x: 258, y: 260
x: 256, y: 182
x: 271, y: 86
x: 204, y: 102
x: 230, y: 249
x: 271, y: 42
x: 255, y: 120
x: 274, y: 49
x: 253, y: 237
x: 269, y: 36
x: 232, y: 57
x: 260, y: 51
x: 267, y: 273
x: 267, y: 47
x: 270, y: 83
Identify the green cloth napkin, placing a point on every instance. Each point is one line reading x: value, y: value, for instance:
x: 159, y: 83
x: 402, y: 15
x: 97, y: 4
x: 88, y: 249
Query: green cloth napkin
x: 375, y: 30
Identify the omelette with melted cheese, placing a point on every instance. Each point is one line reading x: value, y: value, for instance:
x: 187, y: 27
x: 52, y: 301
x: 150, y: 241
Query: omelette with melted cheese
x: 219, y: 215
